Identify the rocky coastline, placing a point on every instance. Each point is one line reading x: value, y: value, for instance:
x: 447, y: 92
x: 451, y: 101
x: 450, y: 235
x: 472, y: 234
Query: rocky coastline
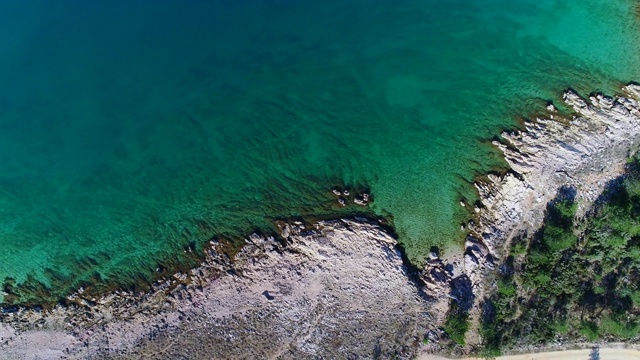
x: 329, y: 290
x: 341, y: 289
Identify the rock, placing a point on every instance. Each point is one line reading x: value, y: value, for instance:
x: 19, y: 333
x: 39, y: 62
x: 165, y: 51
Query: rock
x: 320, y: 287
x: 583, y: 153
x: 286, y: 231
x: 550, y: 154
x: 362, y: 199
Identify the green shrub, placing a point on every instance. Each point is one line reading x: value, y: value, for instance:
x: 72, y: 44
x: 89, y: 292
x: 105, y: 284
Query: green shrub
x: 490, y: 352
x: 557, y: 238
x: 542, y: 280
x: 506, y: 288
x: 561, y: 327
x: 589, y: 330
x: 621, y: 329
x: 457, y: 324
x: 518, y: 248
x: 574, y: 278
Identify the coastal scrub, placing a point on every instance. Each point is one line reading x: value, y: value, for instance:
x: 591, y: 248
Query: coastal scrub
x: 574, y: 279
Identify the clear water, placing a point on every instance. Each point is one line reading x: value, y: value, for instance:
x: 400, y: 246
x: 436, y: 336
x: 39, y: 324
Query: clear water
x: 131, y: 129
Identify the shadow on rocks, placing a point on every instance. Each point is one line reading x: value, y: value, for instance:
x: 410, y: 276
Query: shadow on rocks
x: 462, y: 292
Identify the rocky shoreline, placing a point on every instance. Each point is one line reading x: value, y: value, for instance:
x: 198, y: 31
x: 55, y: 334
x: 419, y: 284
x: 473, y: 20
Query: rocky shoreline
x: 341, y: 288
x: 329, y: 290
x: 583, y: 152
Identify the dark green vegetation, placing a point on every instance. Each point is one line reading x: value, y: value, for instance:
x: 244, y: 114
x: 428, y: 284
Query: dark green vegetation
x: 575, y: 279
x: 457, y: 323
x: 462, y: 299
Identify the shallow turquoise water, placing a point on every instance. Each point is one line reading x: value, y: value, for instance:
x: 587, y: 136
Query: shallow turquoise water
x: 128, y: 131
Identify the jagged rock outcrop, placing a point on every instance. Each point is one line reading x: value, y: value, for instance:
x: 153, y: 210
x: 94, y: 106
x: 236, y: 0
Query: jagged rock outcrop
x: 583, y: 152
x: 551, y: 153
x: 340, y: 288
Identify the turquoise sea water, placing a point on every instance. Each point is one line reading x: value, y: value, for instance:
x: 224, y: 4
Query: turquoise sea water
x: 130, y: 130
